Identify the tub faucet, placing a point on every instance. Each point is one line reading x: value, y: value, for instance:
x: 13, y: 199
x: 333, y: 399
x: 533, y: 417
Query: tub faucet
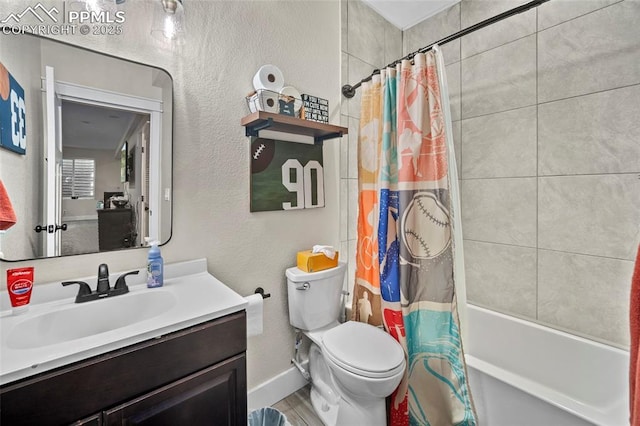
x: 103, y: 279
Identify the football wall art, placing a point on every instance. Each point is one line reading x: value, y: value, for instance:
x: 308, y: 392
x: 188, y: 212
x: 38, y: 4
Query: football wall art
x: 286, y: 175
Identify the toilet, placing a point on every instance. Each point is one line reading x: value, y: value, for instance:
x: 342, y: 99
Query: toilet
x: 353, y: 366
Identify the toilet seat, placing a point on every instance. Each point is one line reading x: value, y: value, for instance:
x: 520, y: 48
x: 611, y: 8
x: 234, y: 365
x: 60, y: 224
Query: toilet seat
x: 363, y: 349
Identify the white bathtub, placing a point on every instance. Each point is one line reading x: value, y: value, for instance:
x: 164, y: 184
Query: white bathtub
x: 522, y: 373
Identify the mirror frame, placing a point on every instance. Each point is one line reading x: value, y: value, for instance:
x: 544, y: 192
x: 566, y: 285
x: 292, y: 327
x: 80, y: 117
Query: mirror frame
x: 10, y: 33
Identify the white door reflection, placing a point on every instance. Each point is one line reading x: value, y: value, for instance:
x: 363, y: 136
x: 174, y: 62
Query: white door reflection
x: 99, y: 183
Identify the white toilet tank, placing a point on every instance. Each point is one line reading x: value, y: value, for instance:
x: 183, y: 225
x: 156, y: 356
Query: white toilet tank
x: 314, y: 297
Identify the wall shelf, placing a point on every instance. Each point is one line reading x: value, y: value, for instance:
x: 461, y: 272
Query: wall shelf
x: 262, y: 120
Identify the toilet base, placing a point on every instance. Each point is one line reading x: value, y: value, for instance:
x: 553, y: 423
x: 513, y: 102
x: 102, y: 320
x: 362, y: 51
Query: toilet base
x: 366, y: 412
x: 334, y: 404
x: 328, y: 413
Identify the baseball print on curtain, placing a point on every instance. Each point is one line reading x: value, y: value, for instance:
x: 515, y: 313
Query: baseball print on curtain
x: 405, y: 265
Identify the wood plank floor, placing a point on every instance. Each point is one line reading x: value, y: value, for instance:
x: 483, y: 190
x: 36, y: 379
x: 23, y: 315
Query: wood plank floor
x: 297, y: 407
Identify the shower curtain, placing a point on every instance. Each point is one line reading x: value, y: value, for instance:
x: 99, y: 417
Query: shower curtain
x: 406, y: 268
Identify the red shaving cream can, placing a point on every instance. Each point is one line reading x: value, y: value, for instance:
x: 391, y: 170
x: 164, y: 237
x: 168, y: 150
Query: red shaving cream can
x: 19, y: 285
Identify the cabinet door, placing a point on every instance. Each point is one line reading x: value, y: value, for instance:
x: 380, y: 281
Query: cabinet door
x: 90, y: 421
x: 115, y: 227
x: 213, y: 396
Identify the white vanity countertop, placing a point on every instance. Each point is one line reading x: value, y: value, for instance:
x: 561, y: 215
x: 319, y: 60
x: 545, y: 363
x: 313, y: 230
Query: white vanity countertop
x: 195, y: 295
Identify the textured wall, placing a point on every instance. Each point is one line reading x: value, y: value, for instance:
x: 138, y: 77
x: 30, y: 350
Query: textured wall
x: 21, y: 58
x: 368, y: 42
x: 227, y: 42
x: 545, y: 108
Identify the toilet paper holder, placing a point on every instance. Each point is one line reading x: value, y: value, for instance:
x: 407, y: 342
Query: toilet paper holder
x: 261, y: 292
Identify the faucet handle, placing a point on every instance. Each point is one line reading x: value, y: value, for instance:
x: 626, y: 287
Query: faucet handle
x: 83, y: 291
x: 121, y: 283
x: 103, y: 279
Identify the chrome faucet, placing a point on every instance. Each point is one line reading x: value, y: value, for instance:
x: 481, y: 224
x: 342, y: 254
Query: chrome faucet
x: 103, y: 289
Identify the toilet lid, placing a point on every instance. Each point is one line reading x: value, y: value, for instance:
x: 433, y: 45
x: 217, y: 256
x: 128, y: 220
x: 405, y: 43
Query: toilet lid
x: 363, y: 349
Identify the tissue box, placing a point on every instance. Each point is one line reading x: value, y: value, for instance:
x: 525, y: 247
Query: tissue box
x: 314, y: 262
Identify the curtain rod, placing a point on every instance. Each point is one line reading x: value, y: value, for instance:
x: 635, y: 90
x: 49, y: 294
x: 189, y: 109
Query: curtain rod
x: 349, y: 91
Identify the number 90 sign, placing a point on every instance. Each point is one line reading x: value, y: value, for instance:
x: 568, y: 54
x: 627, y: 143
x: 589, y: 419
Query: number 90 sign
x: 13, y: 132
x: 286, y: 175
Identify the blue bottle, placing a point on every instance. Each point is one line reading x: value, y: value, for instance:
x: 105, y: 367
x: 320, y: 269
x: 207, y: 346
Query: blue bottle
x: 155, y: 266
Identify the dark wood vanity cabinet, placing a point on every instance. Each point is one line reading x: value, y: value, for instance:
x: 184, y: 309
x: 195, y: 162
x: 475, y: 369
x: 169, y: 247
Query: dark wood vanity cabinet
x: 204, y: 398
x: 115, y: 228
x: 195, y: 376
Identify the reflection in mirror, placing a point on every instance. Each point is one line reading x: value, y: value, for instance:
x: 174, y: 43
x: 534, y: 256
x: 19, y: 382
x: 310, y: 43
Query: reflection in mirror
x: 95, y: 174
x: 100, y: 148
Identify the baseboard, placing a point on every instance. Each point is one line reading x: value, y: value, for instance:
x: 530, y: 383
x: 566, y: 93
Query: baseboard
x: 276, y: 388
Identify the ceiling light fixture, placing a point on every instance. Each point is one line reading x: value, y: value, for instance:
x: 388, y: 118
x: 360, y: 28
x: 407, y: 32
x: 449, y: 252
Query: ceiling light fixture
x: 168, y: 21
x: 95, y: 6
x: 98, y: 6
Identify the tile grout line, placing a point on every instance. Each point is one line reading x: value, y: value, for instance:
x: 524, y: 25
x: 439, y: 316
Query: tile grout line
x: 547, y: 249
x: 495, y: 47
x: 626, y: 86
x: 554, y: 176
x: 498, y: 243
x: 580, y: 16
x: 590, y: 174
x: 460, y: 112
x: 349, y: 101
x: 547, y: 102
x: 493, y: 112
x: 536, y: 31
x: 537, y: 175
x: 587, y: 254
x: 346, y: 20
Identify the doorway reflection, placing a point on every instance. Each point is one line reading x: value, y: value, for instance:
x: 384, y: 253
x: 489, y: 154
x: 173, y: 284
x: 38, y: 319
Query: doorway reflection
x: 104, y: 178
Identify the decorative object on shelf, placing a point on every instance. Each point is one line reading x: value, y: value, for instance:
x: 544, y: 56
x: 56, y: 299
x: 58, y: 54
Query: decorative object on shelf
x: 268, y: 77
x: 277, y: 103
x: 315, y: 108
x: 271, y: 95
x: 287, y: 106
x: 292, y: 97
x: 13, y: 130
x: 285, y: 175
x: 263, y: 100
x: 169, y: 21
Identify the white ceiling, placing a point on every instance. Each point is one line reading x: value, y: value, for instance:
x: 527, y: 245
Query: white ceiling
x: 405, y: 14
x: 92, y: 127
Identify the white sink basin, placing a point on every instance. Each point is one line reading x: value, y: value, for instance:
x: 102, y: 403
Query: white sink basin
x: 88, y: 319
x: 55, y: 331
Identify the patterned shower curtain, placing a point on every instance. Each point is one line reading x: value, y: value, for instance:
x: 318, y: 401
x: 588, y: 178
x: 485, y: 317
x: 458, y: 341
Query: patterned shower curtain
x: 405, y: 257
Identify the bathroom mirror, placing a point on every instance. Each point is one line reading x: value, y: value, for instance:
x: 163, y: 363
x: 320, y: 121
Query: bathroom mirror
x: 91, y: 170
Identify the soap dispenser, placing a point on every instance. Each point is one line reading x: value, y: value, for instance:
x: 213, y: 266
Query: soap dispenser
x: 155, y: 266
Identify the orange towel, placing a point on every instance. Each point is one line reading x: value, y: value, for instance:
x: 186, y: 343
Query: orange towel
x: 7, y: 215
x: 634, y: 361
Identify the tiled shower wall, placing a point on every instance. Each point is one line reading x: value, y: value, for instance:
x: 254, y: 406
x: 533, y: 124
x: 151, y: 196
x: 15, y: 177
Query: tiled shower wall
x: 368, y: 42
x: 545, y: 109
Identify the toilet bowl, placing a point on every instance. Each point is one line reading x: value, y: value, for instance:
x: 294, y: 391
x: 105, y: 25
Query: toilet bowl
x: 353, y: 366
